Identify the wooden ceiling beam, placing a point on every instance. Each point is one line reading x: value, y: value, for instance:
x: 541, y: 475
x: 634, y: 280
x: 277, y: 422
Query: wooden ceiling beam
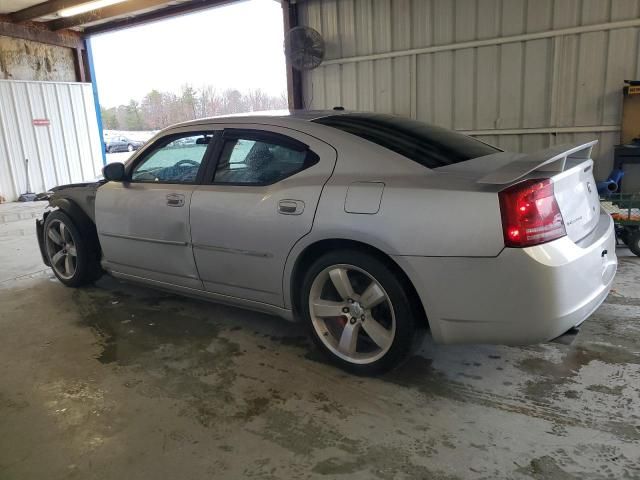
x: 156, y: 15
x: 156, y: 11
x: 43, y: 9
x: 36, y: 33
x: 124, y: 8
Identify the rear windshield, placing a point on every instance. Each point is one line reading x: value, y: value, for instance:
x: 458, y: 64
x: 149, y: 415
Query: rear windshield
x: 426, y: 144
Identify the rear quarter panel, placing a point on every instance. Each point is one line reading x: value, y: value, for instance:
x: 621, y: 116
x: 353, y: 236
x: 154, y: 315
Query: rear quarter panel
x: 422, y: 212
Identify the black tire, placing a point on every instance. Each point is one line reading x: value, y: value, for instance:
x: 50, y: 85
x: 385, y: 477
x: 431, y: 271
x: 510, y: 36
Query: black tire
x: 404, y: 338
x: 130, y: 148
x: 624, y: 234
x: 87, y: 266
x: 634, y: 242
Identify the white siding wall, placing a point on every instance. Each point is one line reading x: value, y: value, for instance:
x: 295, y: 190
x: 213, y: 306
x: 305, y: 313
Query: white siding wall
x: 551, y: 82
x: 66, y: 151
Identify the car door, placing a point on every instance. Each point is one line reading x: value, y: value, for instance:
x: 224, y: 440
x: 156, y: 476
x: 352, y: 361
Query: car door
x: 260, y: 200
x: 143, y: 222
x: 117, y: 147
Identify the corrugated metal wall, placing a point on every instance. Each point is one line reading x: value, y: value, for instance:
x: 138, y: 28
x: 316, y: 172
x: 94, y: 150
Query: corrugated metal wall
x: 521, y: 74
x: 65, y: 151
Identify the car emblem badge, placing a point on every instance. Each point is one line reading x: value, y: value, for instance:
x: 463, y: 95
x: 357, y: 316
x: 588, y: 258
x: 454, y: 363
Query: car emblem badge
x: 589, y: 186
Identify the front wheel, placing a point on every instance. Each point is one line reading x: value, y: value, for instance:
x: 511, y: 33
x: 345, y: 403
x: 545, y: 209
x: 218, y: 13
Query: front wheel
x: 358, y: 312
x: 71, y: 257
x: 130, y: 148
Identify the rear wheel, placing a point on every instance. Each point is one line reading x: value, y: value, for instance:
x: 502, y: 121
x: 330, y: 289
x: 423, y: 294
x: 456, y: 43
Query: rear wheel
x: 72, y: 260
x: 634, y: 242
x: 623, y: 234
x: 357, y: 312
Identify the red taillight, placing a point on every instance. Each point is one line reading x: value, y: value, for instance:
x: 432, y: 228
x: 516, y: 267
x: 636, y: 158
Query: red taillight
x: 530, y: 214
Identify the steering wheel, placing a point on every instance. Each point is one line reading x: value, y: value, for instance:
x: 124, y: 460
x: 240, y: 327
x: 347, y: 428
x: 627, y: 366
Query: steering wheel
x: 186, y: 161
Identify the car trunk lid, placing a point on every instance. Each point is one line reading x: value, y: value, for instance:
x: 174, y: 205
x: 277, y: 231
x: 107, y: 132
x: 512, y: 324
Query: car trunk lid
x: 570, y: 168
x: 577, y: 196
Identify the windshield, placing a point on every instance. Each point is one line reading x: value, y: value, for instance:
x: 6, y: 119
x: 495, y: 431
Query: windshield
x: 426, y: 144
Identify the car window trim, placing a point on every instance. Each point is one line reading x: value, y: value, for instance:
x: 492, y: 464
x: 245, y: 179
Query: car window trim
x: 387, y: 126
x: 273, y: 138
x: 164, y: 141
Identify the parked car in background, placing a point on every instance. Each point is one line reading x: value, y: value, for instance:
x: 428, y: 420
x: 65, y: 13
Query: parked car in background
x: 121, y: 144
x: 368, y: 228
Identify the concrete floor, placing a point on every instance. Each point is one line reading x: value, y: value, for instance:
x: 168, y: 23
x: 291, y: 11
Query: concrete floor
x: 120, y: 382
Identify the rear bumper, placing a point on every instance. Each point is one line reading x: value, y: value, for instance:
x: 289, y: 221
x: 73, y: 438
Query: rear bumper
x: 522, y: 296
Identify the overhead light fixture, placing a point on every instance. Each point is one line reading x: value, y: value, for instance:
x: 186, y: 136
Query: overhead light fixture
x: 87, y: 7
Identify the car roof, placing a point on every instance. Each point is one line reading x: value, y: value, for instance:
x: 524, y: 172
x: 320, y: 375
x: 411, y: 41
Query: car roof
x: 266, y: 117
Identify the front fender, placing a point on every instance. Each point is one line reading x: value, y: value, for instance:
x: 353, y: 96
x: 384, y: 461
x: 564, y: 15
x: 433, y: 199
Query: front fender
x: 82, y: 221
x: 72, y: 209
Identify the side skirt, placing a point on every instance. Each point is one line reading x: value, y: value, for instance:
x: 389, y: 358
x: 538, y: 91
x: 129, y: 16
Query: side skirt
x: 210, y: 296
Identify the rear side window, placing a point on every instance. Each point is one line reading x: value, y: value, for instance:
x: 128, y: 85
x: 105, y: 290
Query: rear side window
x: 426, y: 144
x: 260, y: 161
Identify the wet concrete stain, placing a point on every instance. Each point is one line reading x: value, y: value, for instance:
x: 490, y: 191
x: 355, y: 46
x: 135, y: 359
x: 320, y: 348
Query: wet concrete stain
x: 168, y: 348
x: 9, y: 402
x: 554, y: 374
x: 136, y: 380
x: 153, y: 328
x: 184, y: 356
x: 546, y: 467
x: 296, y: 341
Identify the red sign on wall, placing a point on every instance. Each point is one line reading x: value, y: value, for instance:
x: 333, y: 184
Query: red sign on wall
x: 41, y: 122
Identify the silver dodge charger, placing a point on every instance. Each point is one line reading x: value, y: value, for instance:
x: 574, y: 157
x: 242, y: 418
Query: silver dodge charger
x: 369, y: 228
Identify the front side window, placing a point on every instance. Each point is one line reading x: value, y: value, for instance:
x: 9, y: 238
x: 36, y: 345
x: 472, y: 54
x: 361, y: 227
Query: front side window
x: 425, y: 144
x: 175, y: 162
x: 246, y: 161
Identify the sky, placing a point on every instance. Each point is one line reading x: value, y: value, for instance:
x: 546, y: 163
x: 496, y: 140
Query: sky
x: 236, y: 46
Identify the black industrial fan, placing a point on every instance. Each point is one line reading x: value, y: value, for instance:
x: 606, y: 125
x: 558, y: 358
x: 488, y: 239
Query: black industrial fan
x: 304, y: 47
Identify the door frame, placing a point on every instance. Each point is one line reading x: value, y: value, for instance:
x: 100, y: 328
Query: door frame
x: 164, y: 140
x: 267, y: 136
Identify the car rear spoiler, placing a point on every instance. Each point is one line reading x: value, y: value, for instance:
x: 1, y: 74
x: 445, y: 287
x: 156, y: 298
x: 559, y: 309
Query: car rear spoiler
x: 549, y: 160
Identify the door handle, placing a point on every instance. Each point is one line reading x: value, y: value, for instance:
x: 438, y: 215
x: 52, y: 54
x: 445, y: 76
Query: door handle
x: 175, y: 200
x: 290, y: 207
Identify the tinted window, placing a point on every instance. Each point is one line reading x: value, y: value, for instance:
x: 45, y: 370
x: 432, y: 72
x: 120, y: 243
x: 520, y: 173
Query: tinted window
x: 175, y: 162
x: 426, y: 144
x: 254, y: 162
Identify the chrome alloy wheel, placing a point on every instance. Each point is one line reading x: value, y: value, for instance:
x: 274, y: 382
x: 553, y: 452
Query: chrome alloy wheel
x: 61, y: 248
x: 352, y: 314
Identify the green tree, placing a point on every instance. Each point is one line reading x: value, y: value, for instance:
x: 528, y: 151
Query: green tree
x: 153, y: 111
x: 133, y: 119
x: 109, y: 120
x: 189, y: 101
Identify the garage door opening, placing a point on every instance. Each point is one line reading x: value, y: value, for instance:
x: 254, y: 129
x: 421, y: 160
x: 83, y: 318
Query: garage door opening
x: 220, y: 61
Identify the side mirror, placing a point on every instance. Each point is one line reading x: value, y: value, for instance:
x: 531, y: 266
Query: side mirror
x: 113, y: 172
